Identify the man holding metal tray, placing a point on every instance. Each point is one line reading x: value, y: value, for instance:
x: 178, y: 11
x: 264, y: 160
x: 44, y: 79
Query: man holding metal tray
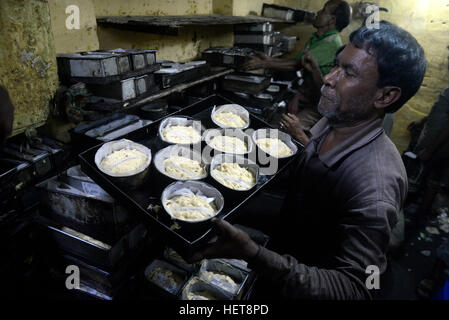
x: 350, y: 183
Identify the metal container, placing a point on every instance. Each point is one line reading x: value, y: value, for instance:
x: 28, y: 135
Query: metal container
x: 91, y: 250
x: 95, y: 64
x: 41, y: 160
x: 176, y: 150
x: 243, y: 162
x: 83, y: 206
x: 180, y: 121
x: 154, y: 111
x: 145, y: 84
x: 198, y: 289
x: 286, y: 13
x: 276, y: 134
x: 120, y: 90
x: 267, y: 39
x: 212, y: 271
x: 233, y: 108
x: 179, y: 73
x: 259, y: 27
x: 196, y: 188
x: 173, y: 257
x: 210, y: 134
x: 132, y: 179
x: 165, y: 278
x: 117, y: 128
x: 245, y: 83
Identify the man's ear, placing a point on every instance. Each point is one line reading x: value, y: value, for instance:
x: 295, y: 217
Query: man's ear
x: 386, y: 96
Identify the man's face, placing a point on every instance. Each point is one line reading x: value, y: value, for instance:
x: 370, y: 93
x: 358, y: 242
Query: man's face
x: 325, y: 16
x: 349, y: 90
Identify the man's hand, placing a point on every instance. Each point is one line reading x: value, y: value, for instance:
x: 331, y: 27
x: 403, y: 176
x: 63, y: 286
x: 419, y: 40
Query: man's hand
x: 231, y: 243
x: 309, y: 62
x: 258, y: 61
x: 292, y: 125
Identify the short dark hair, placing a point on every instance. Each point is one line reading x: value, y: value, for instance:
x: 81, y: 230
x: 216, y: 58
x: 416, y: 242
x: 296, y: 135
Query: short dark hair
x: 343, y: 14
x: 6, y: 114
x: 401, y: 61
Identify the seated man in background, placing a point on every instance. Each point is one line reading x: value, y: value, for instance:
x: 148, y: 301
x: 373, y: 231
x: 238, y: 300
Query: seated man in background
x: 350, y: 183
x: 430, y: 143
x: 6, y: 115
x: 315, y: 59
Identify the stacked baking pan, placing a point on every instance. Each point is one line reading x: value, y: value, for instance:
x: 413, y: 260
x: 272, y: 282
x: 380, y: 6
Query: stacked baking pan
x: 232, y: 57
x: 120, y: 74
x: 287, y: 14
x: 83, y: 223
x: 173, y: 73
x: 171, y: 277
x: 260, y: 37
x: 106, y: 129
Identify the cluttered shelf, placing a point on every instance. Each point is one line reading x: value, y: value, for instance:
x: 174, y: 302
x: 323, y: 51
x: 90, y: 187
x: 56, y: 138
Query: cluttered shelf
x: 170, y: 25
x: 216, y: 73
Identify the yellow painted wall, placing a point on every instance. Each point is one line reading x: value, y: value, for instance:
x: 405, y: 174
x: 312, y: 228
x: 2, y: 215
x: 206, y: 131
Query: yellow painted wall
x: 68, y: 41
x: 151, y: 7
x: 27, y: 60
x: 244, y: 8
x: 184, y: 47
x: 428, y: 21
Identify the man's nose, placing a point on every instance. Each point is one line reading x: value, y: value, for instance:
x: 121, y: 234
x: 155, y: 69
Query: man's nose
x: 331, y: 78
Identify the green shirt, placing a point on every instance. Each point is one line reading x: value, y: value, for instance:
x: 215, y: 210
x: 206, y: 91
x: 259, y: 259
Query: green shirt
x: 323, y: 49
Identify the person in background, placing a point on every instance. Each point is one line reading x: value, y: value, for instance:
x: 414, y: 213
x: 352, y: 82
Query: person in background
x: 6, y: 114
x: 430, y: 144
x: 350, y: 183
x: 315, y: 59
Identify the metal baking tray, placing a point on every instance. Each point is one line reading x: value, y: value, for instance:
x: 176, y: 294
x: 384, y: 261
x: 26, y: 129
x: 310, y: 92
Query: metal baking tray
x: 266, y: 38
x: 239, y: 276
x: 107, y: 256
x: 83, y: 206
x: 109, y: 128
x: 101, y: 67
x: 168, y: 77
x: 120, y: 90
x: 159, y: 283
x: 245, y: 83
x: 286, y: 13
x: 140, y: 58
x: 232, y: 57
x: 40, y: 159
x: 257, y: 27
x: 146, y: 200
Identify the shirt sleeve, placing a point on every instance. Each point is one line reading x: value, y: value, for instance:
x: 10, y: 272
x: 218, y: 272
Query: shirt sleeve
x: 365, y: 233
x: 325, y: 52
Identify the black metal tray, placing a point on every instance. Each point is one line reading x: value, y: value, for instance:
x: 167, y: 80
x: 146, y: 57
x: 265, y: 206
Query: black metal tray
x: 185, y: 240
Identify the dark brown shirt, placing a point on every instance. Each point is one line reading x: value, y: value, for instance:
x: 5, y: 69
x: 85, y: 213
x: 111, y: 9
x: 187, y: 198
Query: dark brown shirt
x: 337, y: 217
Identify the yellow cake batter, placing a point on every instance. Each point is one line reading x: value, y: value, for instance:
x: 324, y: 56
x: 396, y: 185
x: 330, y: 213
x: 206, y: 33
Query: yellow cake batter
x: 230, y: 175
x: 124, y: 161
x: 274, y: 147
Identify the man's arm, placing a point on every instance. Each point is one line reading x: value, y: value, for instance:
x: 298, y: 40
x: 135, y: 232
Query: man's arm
x: 264, y: 62
x: 365, y: 235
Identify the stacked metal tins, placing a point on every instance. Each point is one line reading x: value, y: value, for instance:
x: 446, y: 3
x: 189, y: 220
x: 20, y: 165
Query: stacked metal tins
x: 116, y: 74
x: 86, y: 227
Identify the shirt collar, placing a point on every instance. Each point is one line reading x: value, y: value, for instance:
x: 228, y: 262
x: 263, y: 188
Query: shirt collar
x: 359, y: 139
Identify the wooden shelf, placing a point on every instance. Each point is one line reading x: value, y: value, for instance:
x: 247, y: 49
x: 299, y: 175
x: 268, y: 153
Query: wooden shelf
x: 170, y: 25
